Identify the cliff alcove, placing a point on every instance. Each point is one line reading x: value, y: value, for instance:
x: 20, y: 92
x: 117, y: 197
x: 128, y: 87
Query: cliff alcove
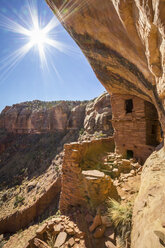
x: 124, y: 43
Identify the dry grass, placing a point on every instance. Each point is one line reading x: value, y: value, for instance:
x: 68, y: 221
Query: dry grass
x: 121, y: 217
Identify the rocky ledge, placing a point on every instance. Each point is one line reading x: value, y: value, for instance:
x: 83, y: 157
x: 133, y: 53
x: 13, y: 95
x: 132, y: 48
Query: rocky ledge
x: 124, y: 43
x: 42, y: 117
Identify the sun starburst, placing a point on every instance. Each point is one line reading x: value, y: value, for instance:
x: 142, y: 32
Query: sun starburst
x: 33, y: 34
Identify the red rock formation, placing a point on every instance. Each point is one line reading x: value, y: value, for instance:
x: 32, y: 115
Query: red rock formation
x: 98, y: 115
x: 39, y: 117
x: 31, y: 118
x: 32, y: 152
x: 149, y: 208
x: 22, y: 218
x: 123, y: 41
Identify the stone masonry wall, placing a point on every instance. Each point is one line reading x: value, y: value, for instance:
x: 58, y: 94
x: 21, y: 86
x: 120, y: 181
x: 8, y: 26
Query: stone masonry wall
x: 77, y: 158
x: 131, y: 128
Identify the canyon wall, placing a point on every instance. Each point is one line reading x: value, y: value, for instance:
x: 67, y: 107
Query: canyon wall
x: 28, y: 149
x: 123, y: 41
x: 21, y: 218
x: 31, y: 135
x: 43, y: 117
x: 37, y: 117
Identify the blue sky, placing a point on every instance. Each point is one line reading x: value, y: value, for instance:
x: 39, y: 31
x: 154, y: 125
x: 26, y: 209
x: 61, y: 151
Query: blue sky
x: 67, y: 76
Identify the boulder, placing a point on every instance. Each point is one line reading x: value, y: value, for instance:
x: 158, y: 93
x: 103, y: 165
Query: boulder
x: 40, y: 244
x: 71, y: 242
x: 57, y: 228
x: 60, y: 240
x: 149, y: 207
x: 41, y: 229
x: 98, y: 115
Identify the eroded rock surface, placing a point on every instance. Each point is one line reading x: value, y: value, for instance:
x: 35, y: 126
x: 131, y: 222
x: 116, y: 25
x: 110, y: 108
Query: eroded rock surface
x: 38, y: 117
x: 98, y: 115
x: 123, y: 41
x: 148, y: 221
x: 30, y: 162
x: 41, y: 117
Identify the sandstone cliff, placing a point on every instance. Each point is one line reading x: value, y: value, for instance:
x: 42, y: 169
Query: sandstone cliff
x: 148, y: 221
x: 124, y: 43
x: 41, y: 117
x: 32, y: 133
x: 32, y: 136
x: 38, y: 117
x: 98, y: 115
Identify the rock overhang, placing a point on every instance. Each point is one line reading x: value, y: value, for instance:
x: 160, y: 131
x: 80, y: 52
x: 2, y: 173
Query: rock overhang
x: 123, y: 42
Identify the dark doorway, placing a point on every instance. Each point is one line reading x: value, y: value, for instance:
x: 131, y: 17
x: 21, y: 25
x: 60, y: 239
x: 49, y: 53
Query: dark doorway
x: 129, y: 154
x: 153, y: 128
x: 128, y: 106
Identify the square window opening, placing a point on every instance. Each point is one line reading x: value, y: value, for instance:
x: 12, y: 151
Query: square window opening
x: 128, y: 106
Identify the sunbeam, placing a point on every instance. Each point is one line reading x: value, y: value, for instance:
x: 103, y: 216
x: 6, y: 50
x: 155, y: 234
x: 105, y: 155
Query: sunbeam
x: 32, y: 34
x: 68, y: 8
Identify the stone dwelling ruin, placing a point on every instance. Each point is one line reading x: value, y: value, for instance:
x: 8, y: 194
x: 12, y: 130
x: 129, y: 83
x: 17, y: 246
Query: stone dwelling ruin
x: 137, y: 133
x: 136, y: 125
x: 83, y: 183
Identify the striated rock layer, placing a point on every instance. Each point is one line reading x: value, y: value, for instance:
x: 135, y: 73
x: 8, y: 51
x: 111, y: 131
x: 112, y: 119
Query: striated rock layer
x: 123, y: 41
x: 31, y: 135
x: 41, y: 117
x: 20, y: 219
x: 44, y: 117
x: 148, y: 220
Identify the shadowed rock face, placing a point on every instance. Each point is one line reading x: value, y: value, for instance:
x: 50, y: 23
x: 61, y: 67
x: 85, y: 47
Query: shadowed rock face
x: 98, y: 115
x: 39, y: 117
x: 149, y: 209
x: 123, y: 41
x: 44, y: 117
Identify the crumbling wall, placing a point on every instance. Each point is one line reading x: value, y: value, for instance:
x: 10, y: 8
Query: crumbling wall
x: 79, y: 157
x: 132, y: 129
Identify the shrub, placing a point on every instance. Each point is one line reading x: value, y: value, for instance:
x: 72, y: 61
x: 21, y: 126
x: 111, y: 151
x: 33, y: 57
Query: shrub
x: 51, y: 240
x: 18, y: 200
x: 81, y: 131
x: 58, y: 213
x: 121, y: 217
x: 2, y: 244
x: 99, y: 135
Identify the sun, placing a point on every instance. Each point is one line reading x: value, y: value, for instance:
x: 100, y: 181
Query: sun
x: 32, y: 33
x: 34, y: 30
x: 38, y: 37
